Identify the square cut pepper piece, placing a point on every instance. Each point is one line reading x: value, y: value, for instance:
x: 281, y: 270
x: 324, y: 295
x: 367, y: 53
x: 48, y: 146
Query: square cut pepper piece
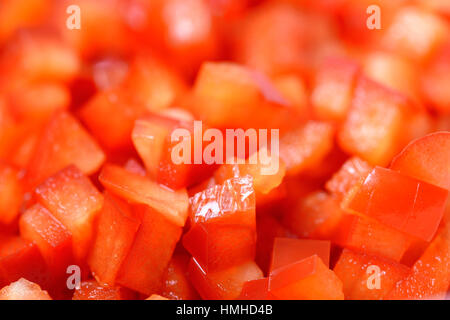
x: 116, y: 228
x: 409, y: 205
x: 224, y: 284
x: 138, y: 189
x: 176, y: 283
x: 364, y: 234
x: 376, y: 123
x: 357, y: 273
x: 144, y: 267
x: 307, y: 279
x: 21, y: 258
x: 72, y: 198
x: 53, y: 239
x: 352, y: 172
x: 333, y: 90
x: 256, y: 290
x: 426, y: 159
x: 223, y: 225
x: 152, y: 137
x: 429, y: 277
x: 64, y: 142
x: 289, y: 250
x: 92, y: 290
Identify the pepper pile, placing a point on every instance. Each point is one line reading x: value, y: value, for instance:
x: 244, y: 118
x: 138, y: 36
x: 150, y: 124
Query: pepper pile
x: 357, y: 209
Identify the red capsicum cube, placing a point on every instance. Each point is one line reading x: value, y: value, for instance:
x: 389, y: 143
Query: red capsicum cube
x: 426, y: 159
x: 409, y: 205
x: 152, y: 138
x: 176, y: 283
x: 429, y: 277
x: 20, y: 258
x: 63, y: 142
x: 146, y: 262
x: 333, y: 89
x: 303, y: 147
x: 288, y: 250
x: 116, y: 228
x: 142, y: 190
x: 223, y: 226
x: 222, y: 89
x: 256, y: 290
x: 53, y: 239
x: 72, y: 198
x: 92, y: 290
x: 351, y: 173
x: 357, y: 272
x: 308, y: 279
x: 375, y: 124
x: 317, y: 215
x: 370, y: 236
x: 224, y: 284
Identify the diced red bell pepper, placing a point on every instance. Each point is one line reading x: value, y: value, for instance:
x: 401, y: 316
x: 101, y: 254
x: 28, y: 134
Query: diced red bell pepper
x: 412, y: 25
x: 231, y: 203
x: 435, y: 84
x: 223, y: 226
x: 274, y: 39
x: 23, y: 289
x: 393, y: 71
x: 63, y: 142
x: 20, y: 258
x: 185, y: 50
x: 176, y: 283
x: 217, y: 246
x: 72, y: 198
x: 317, y: 215
x: 260, y: 166
x: 110, y: 116
x: 376, y: 123
x: 54, y: 241
x: 144, y: 266
x: 39, y: 57
x: 429, y: 277
x: 370, y: 236
x: 222, y: 89
x: 412, y: 206
x: 92, y: 290
x: 141, y: 190
x: 360, y: 281
x: 301, y: 148
x: 152, y: 138
x: 37, y: 102
x: 352, y: 172
x: 307, y: 279
x: 287, y: 251
x: 11, y: 193
x: 224, y: 284
x: 153, y: 83
x: 426, y: 159
x: 267, y: 229
x: 333, y: 89
x: 256, y: 290
x: 292, y: 87
x: 116, y: 228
